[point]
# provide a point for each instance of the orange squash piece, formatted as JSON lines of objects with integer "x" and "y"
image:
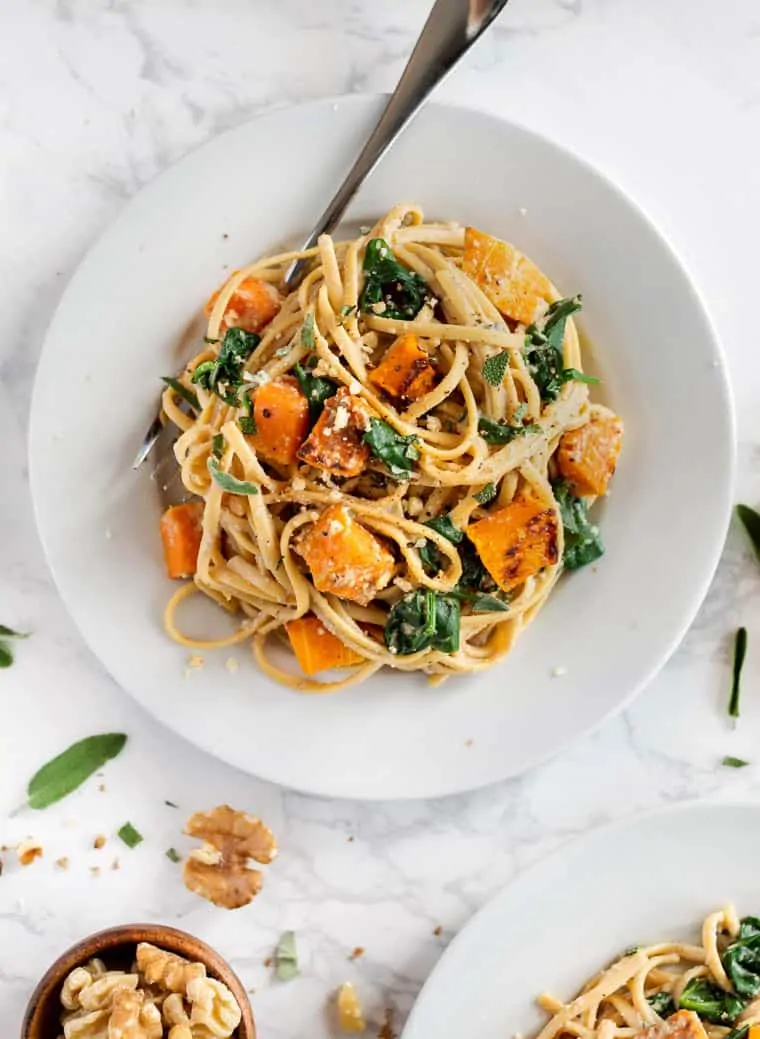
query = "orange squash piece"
{"x": 181, "y": 532}
{"x": 251, "y": 306}
{"x": 517, "y": 541}
{"x": 316, "y": 648}
{"x": 511, "y": 281}
{"x": 405, "y": 370}
{"x": 345, "y": 558}
{"x": 335, "y": 444}
{"x": 281, "y": 414}
{"x": 587, "y": 456}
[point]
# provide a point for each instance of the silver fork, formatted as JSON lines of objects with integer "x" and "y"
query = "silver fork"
{"x": 450, "y": 30}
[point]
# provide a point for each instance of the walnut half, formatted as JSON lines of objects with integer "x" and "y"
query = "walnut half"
{"x": 166, "y": 970}
{"x": 221, "y": 869}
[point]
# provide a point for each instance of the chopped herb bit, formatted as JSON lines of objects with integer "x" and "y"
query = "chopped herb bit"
{"x": 397, "y": 452}
{"x": 224, "y": 375}
{"x": 750, "y": 520}
{"x": 217, "y": 445}
{"x": 574, "y": 375}
{"x": 423, "y": 619}
{"x": 230, "y": 483}
{"x": 390, "y": 289}
{"x": 6, "y": 657}
{"x": 480, "y": 603}
{"x": 316, "y": 390}
{"x": 173, "y": 855}
{"x": 347, "y": 311}
{"x": 731, "y": 762}
{"x": 583, "y": 543}
{"x": 247, "y": 425}
{"x": 502, "y": 432}
{"x": 740, "y": 651}
{"x": 495, "y": 367}
{"x": 69, "y": 769}
{"x": 543, "y": 349}
{"x": 662, "y": 1004}
{"x": 130, "y": 835}
{"x": 307, "y": 332}
{"x": 486, "y": 494}
{"x": 631, "y": 950}
{"x": 171, "y": 804}
{"x": 182, "y": 391}
{"x": 286, "y": 957}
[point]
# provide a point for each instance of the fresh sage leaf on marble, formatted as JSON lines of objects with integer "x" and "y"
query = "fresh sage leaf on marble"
{"x": 740, "y": 652}
{"x": 68, "y": 770}
{"x": 9, "y": 633}
{"x": 286, "y": 957}
{"x": 731, "y": 762}
{"x": 6, "y": 657}
{"x": 750, "y": 520}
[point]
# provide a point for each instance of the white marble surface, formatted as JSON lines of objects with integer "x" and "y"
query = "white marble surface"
{"x": 95, "y": 99}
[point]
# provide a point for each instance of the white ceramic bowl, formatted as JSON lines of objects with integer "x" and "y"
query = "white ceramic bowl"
{"x": 611, "y": 626}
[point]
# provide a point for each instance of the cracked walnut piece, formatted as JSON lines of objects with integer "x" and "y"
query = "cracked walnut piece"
{"x": 164, "y": 969}
{"x": 221, "y": 869}
{"x": 133, "y": 1018}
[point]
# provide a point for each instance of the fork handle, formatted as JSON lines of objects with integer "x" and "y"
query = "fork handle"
{"x": 450, "y": 30}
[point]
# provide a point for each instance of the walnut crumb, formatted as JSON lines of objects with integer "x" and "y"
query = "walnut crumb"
{"x": 438, "y": 931}
{"x": 28, "y": 850}
{"x": 232, "y": 665}
{"x": 116, "y": 864}
{"x": 99, "y": 841}
{"x": 195, "y": 661}
{"x": 95, "y": 871}
{"x": 62, "y": 863}
{"x": 268, "y": 961}
{"x": 101, "y": 788}
{"x": 356, "y": 953}
{"x": 468, "y": 743}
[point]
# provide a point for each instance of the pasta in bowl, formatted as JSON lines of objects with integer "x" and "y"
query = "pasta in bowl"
{"x": 391, "y": 465}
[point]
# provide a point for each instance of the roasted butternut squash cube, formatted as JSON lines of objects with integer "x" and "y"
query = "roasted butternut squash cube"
{"x": 181, "y": 532}
{"x": 316, "y": 648}
{"x": 336, "y": 443}
{"x": 587, "y": 456}
{"x": 405, "y": 370}
{"x": 251, "y": 306}
{"x": 281, "y": 414}
{"x": 517, "y": 541}
{"x": 683, "y": 1025}
{"x": 511, "y": 281}
{"x": 344, "y": 557}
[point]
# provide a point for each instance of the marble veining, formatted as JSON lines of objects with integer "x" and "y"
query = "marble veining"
{"x": 96, "y": 99}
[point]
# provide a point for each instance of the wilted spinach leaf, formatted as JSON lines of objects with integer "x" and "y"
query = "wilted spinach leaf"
{"x": 386, "y": 281}
{"x": 398, "y": 452}
{"x": 223, "y": 374}
{"x": 502, "y": 432}
{"x": 711, "y": 1002}
{"x": 583, "y": 542}
{"x": 316, "y": 390}
{"x": 742, "y": 958}
{"x": 423, "y": 619}
{"x": 543, "y": 350}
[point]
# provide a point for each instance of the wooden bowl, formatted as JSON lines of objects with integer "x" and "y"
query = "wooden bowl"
{"x": 116, "y": 947}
